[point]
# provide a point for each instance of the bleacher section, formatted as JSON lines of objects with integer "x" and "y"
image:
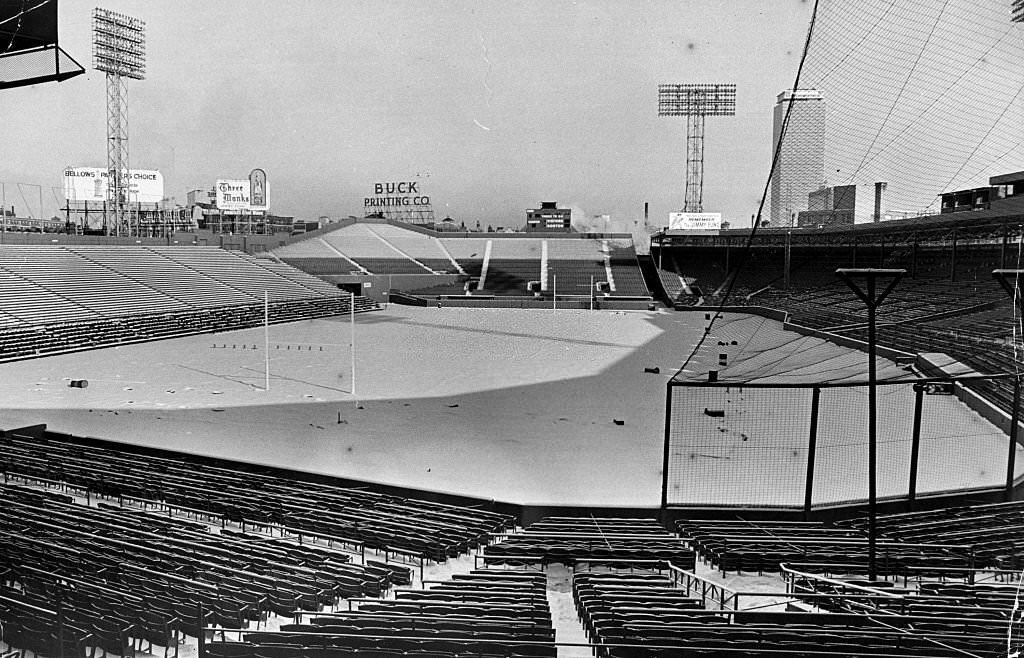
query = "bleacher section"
{"x": 512, "y": 265}
{"x": 424, "y": 249}
{"x": 503, "y": 265}
{"x": 57, "y": 298}
{"x": 372, "y": 252}
{"x": 626, "y": 277}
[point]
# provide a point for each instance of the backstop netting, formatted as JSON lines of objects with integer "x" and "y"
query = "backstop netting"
{"x": 922, "y": 95}
{"x": 807, "y": 445}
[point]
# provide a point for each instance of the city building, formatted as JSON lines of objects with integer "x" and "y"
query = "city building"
{"x": 844, "y": 205}
{"x": 549, "y": 217}
{"x": 999, "y": 188}
{"x": 801, "y": 165}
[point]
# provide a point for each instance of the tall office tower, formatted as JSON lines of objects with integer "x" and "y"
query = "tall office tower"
{"x": 801, "y": 165}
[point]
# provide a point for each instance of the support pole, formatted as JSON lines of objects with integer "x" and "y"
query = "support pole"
{"x": 1012, "y": 289}
{"x": 266, "y": 339}
{"x": 952, "y": 259}
{"x": 789, "y": 237}
{"x": 667, "y": 447}
{"x": 352, "y": 348}
{"x": 1014, "y": 422}
{"x": 593, "y": 293}
{"x": 915, "y": 445}
{"x": 913, "y": 260}
{"x": 1002, "y": 248}
{"x": 812, "y": 444}
{"x": 554, "y": 292}
{"x": 872, "y": 299}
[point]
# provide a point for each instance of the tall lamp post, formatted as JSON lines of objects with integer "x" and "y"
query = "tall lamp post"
{"x": 871, "y": 297}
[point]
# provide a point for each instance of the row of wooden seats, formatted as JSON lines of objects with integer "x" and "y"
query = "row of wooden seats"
{"x": 432, "y": 530}
{"x": 743, "y": 546}
{"x": 486, "y": 613}
{"x": 646, "y": 614}
{"x": 593, "y": 541}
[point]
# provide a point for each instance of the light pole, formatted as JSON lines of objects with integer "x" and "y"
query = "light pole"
{"x": 873, "y": 299}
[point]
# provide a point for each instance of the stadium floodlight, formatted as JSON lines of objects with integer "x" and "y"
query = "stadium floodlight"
{"x": 1017, "y": 11}
{"x": 695, "y": 102}
{"x": 872, "y": 298}
{"x": 119, "y": 50}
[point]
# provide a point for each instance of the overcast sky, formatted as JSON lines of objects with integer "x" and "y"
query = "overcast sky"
{"x": 493, "y": 106}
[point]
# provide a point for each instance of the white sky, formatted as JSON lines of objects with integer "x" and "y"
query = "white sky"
{"x": 493, "y": 106}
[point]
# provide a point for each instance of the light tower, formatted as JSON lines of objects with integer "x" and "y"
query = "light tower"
{"x": 695, "y": 102}
{"x": 119, "y": 50}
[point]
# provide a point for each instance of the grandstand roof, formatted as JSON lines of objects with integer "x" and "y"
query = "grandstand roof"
{"x": 1004, "y": 212}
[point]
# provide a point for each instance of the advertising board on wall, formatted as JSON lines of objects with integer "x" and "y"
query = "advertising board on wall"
{"x": 91, "y": 184}
{"x": 695, "y": 221}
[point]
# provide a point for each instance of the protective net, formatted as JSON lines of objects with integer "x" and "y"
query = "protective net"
{"x": 750, "y": 445}
{"x": 29, "y": 51}
{"x": 738, "y": 446}
{"x": 924, "y": 96}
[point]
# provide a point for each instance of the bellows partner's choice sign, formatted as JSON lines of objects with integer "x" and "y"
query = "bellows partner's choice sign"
{"x": 92, "y": 183}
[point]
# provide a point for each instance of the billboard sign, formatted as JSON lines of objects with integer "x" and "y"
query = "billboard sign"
{"x": 695, "y": 221}
{"x": 92, "y": 183}
{"x": 258, "y": 192}
{"x": 390, "y": 195}
{"x": 233, "y": 194}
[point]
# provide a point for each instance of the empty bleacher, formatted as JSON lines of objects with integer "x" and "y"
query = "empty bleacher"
{"x": 504, "y": 265}
{"x": 512, "y": 265}
{"x": 59, "y": 298}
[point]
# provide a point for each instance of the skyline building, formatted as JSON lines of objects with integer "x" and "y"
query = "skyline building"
{"x": 801, "y": 164}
